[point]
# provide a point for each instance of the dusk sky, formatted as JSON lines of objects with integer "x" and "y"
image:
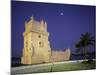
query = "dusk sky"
{"x": 65, "y": 22}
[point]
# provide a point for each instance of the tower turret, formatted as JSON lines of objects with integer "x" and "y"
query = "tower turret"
{"x": 36, "y": 43}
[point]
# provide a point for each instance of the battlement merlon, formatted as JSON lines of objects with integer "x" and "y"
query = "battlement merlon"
{"x": 43, "y": 33}
{"x": 32, "y": 24}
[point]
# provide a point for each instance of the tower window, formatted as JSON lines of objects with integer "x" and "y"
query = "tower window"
{"x": 39, "y": 36}
{"x": 40, "y": 44}
{"x": 32, "y": 50}
{"x": 26, "y": 44}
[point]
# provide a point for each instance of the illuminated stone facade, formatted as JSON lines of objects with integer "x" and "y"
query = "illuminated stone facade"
{"x": 36, "y": 44}
{"x": 59, "y": 55}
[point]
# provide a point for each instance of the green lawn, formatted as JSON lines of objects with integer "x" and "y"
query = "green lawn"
{"x": 73, "y": 66}
{"x": 57, "y": 68}
{"x": 69, "y": 67}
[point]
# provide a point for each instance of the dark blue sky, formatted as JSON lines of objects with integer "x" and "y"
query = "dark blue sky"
{"x": 65, "y": 30}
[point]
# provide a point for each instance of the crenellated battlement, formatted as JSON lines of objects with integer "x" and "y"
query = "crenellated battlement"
{"x": 32, "y": 24}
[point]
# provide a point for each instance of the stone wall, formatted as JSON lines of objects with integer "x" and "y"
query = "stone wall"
{"x": 60, "y": 55}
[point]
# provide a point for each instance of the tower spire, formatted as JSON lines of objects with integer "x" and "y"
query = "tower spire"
{"x": 45, "y": 24}
{"x": 32, "y": 18}
{"x": 42, "y": 22}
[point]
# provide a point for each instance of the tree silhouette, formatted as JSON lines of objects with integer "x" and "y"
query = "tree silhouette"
{"x": 85, "y": 41}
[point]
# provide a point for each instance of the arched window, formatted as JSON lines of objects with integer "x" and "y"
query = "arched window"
{"x": 40, "y": 44}
{"x": 26, "y": 44}
{"x": 32, "y": 49}
{"x": 39, "y": 36}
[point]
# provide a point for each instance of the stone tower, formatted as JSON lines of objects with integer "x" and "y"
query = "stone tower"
{"x": 36, "y": 44}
